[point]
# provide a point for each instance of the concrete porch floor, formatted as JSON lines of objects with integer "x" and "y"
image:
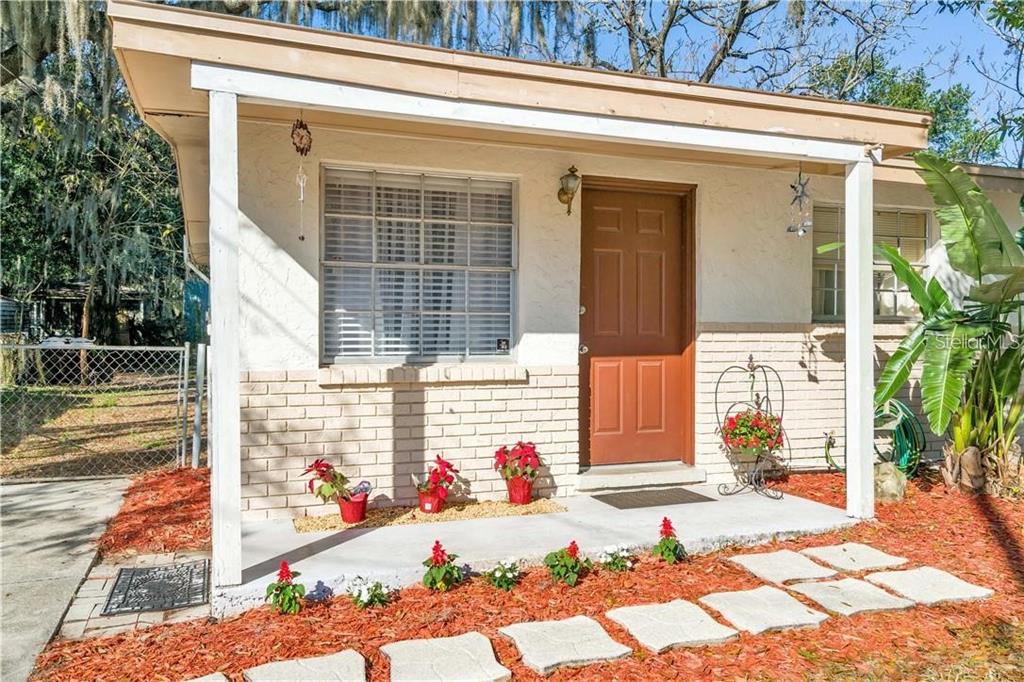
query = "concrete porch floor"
{"x": 394, "y": 554}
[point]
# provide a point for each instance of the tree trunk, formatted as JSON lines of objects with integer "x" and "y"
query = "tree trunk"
{"x": 83, "y": 357}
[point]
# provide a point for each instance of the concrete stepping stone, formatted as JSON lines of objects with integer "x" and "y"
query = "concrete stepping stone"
{"x": 212, "y": 677}
{"x": 782, "y": 566}
{"x": 927, "y": 585}
{"x": 344, "y": 666}
{"x": 465, "y": 658}
{"x": 677, "y": 623}
{"x": 853, "y": 556}
{"x": 577, "y": 641}
{"x": 763, "y": 609}
{"x": 849, "y": 596}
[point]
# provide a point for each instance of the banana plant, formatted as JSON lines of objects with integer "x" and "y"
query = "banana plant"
{"x": 970, "y": 352}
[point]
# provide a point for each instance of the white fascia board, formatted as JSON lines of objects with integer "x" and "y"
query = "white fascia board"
{"x": 279, "y": 89}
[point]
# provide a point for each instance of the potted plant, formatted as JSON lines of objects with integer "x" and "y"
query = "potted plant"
{"x": 330, "y": 484}
{"x": 433, "y": 490}
{"x": 752, "y": 432}
{"x": 518, "y": 466}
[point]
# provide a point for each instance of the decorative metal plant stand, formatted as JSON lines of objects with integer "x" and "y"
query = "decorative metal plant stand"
{"x": 757, "y": 476}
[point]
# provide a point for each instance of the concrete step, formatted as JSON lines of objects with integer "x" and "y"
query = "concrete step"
{"x": 646, "y": 475}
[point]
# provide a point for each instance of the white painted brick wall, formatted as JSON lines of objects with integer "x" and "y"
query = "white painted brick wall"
{"x": 810, "y": 361}
{"x": 385, "y": 432}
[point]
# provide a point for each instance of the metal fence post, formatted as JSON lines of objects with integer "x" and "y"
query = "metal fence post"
{"x": 197, "y": 423}
{"x": 186, "y": 363}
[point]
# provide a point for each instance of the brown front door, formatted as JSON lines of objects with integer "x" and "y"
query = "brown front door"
{"x": 636, "y": 325}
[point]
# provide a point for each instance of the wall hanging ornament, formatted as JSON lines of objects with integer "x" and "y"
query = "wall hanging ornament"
{"x": 302, "y": 140}
{"x": 800, "y": 206}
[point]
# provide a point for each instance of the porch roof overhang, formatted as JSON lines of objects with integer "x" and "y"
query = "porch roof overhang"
{"x": 171, "y": 57}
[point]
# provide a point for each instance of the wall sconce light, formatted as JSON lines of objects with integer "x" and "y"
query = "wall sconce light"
{"x": 568, "y": 186}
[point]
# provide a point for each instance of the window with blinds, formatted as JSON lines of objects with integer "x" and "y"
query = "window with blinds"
{"x": 416, "y": 266}
{"x": 907, "y": 231}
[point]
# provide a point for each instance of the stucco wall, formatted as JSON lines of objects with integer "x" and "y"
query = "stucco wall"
{"x": 753, "y": 295}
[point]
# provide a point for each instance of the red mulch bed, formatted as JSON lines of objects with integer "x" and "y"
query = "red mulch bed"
{"x": 978, "y": 539}
{"x": 163, "y": 511}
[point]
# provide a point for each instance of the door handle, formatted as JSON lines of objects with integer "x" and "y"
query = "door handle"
{"x": 583, "y": 349}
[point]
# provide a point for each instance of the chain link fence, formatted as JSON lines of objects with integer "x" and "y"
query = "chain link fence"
{"x": 78, "y": 412}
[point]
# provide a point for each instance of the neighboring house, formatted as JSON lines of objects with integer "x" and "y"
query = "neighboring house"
{"x": 432, "y": 295}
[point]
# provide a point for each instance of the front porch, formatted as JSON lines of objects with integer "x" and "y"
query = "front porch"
{"x": 394, "y": 554}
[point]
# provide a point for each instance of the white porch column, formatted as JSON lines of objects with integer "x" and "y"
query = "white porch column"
{"x": 860, "y": 453}
{"x": 226, "y": 483}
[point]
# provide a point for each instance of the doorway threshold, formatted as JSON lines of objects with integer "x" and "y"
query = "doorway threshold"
{"x": 638, "y": 476}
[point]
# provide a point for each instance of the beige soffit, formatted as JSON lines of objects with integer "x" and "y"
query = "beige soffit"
{"x": 156, "y": 44}
{"x": 989, "y": 178}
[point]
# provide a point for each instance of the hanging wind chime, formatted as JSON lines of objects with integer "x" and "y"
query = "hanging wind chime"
{"x": 302, "y": 140}
{"x": 800, "y": 206}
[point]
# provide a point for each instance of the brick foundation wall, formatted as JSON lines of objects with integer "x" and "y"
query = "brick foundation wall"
{"x": 810, "y": 360}
{"x": 384, "y": 432}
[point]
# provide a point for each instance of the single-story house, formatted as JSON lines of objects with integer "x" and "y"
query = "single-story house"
{"x": 414, "y": 285}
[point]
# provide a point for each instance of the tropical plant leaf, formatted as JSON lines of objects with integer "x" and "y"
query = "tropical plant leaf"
{"x": 897, "y": 368}
{"x": 906, "y": 273}
{"x": 1008, "y": 370}
{"x": 976, "y": 237}
{"x": 1000, "y": 290}
{"x": 947, "y": 358}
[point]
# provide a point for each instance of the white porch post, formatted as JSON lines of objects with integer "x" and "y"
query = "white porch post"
{"x": 226, "y": 483}
{"x": 860, "y": 488}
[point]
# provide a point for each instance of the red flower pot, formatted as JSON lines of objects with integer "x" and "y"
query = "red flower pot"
{"x": 430, "y": 503}
{"x": 520, "y": 490}
{"x": 353, "y": 510}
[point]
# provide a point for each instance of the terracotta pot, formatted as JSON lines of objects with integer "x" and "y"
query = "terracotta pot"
{"x": 353, "y": 510}
{"x": 430, "y": 503}
{"x": 520, "y": 490}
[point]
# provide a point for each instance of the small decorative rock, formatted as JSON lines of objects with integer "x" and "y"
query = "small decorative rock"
{"x": 853, "y": 556}
{"x": 465, "y": 658}
{"x": 576, "y": 641}
{"x": 890, "y": 482}
{"x": 762, "y": 609}
{"x": 677, "y": 623}
{"x": 927, "y": 585}
{"x": 782, "y": 566}
{"x": 344, "y": 666}
{"x": 849, "y": 596}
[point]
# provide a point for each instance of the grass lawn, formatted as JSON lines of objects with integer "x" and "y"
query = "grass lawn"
{"x": 980, "y": 540}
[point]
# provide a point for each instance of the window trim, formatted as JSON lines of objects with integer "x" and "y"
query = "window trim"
{"x": 327, "y": 361}
{"x": 929, "y": 241}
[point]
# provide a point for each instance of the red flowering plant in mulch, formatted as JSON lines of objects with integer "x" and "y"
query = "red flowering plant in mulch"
{"x": 519, "y": 461}
{"x": 439, "y": 480}
{"x": 566, "y": 566}
{"x": 752, "y": 432}
{"x": 442, "y": 573}
{"x": 669, "y": 549}
{"x": 284, "y": 594}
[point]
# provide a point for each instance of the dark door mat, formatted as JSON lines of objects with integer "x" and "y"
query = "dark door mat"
{"x": 159, "y": 588}
{"x": 638, "y": 499}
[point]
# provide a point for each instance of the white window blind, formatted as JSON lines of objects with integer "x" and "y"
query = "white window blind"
{"x": 907, "y": 231}
{"x": 417, "y": 266}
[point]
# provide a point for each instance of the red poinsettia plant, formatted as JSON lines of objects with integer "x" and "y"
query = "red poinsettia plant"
{"x": 327, "y": 483}
{"x": 519, "y": 461}
{"x": 752, "y": 431}
{"x": 439, "y": 480}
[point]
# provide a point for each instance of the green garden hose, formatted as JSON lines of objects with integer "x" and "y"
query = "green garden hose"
{"x": 908, "y": 440}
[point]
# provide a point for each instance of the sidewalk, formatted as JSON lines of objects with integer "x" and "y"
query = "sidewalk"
{"x": 48, "y": 542}
{"x": 394, "y": 554}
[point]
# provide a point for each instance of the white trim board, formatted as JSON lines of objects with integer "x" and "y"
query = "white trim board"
{"x": 279, "y": 89}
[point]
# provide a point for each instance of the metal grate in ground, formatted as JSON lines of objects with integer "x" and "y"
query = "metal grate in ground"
{"x": 159, "y": 588}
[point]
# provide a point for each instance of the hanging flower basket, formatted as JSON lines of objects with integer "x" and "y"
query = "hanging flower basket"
{"x": 520, "y": 490}
{"x": 353, "y": 510}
